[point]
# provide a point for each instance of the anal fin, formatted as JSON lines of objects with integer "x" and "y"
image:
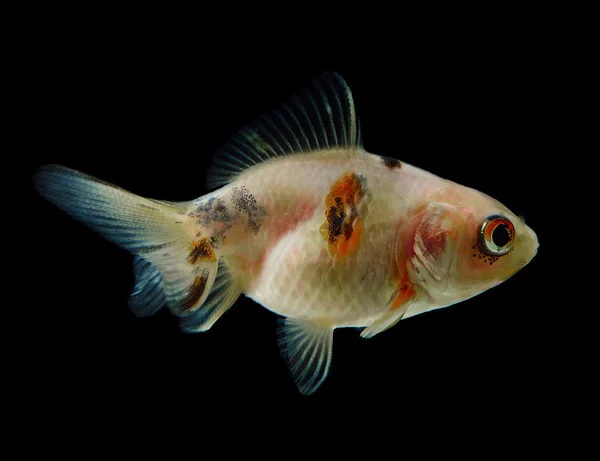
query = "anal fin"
{"x": 306, "y": 346}
{"x": 225, "y": 291}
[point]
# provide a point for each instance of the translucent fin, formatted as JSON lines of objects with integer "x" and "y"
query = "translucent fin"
{"x": 224, "y": 293}
{"x": 387, "y": 320}
{"x": 135, "y": 223}
{"x": 148, "y": 295}
{"x": 160, "y": 232}
{"x": 306, "y": 346}
{"x": 320, "y": 117}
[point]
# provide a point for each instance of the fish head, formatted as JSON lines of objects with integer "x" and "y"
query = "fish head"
{"x": 466, "y": 242}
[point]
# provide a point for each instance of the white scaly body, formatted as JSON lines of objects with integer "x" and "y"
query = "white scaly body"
{"x": 286, "y": 265}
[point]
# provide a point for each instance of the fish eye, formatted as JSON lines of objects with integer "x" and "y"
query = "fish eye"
{"x": 497, "y": 235}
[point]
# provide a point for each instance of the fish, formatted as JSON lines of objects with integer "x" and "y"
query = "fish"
{"x": 307, "y": 223}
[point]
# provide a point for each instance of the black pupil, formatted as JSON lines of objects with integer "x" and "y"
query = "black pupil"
{"x": 501, "y": 236}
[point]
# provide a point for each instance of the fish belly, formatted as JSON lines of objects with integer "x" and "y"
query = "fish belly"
{"x": 300, "y": 279}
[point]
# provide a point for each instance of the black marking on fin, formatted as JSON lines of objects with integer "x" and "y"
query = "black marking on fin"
{"x": 152, "y": 248}
{"x": 202, "y": 251}
{"x": 196, "y": 291}
{"x": 213, "y": 214}
{"x": 149, "y": 207}
{"x": 223, "y": 294}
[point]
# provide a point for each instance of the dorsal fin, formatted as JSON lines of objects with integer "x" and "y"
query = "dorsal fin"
{"x": 320, "y": 117}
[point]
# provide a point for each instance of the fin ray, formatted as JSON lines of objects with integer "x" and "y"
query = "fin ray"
{"x": 148, "y": 295}
{"x": 320, "y": 117}
{"x": 307, "y": 94}
{"x": 306, "y": 347}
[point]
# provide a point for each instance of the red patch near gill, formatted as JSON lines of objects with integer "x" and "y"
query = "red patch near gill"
{"x": 403, "y": 253}
{"x": 433, "y": 237}
{"x": 407, "y": 229}
{"x": 425, "y": 230}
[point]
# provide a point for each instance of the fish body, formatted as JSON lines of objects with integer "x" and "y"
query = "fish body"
{"x": 311, "y": 226}
{"x": 301, "y": 264}
{"x": 308, "y": 261}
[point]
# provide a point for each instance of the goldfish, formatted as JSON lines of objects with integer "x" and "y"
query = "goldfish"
{"x": 307, "y": 223}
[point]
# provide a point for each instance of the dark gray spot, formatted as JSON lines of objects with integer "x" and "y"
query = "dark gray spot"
{"x": 152, "y": 248}
{"x": 391, "y": 163}
{"x": 244, "y": 202}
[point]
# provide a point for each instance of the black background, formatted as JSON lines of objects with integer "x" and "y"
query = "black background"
{"x": 144, "y": 105}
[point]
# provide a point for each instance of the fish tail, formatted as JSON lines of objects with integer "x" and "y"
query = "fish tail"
{"x": 174, "y": 263}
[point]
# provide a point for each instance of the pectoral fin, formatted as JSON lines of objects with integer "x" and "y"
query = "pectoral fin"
{"x": 387, "y": 320}
{"x": 306, "y": 347}
{"x": 400, "y": 301}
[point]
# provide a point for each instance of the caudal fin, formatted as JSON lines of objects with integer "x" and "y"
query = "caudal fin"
{"x": 172, "y": 266}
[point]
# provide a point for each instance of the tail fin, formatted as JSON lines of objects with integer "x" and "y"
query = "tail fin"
{"x": 172, "y": 265}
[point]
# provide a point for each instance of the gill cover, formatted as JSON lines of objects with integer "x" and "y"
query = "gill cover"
{"x": 435, "y": 244}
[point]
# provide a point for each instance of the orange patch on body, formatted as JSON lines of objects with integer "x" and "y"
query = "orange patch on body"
{"x": 404, "y": 288}
{"x": 343, "y": 227}
{"x": 403, "y": 294}
{"x": 345, "y": 245}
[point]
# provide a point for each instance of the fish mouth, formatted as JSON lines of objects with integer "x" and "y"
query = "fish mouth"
{"x": 534, "y": 242}
{"x": 524, "y": 261}
{"x": 537, "y": 246}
